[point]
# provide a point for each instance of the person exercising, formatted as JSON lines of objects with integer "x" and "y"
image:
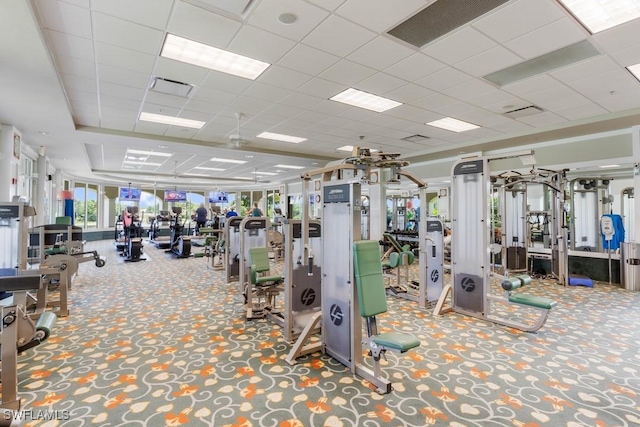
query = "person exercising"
{"x": 201, "y": 217}
{"x": 256, "y": 210}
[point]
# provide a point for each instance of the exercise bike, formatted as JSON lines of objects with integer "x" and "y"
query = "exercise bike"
{"x": 180, "y": 245}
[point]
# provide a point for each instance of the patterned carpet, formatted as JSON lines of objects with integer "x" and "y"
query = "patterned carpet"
{"x": 164, "y": 342}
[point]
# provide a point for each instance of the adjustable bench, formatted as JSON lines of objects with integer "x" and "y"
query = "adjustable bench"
{"x": 372, "y": 300}
{"x": 262, "y": 286}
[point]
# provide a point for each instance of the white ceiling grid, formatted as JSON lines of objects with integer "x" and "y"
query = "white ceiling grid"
{"x": 106, "y": 52}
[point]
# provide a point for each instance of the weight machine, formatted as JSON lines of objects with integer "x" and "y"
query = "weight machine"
{"x": 233, "y": 239}
{"x": 590, "y": 199}
{"x": 345, "y": 283}
{"x": 470, "y": 267}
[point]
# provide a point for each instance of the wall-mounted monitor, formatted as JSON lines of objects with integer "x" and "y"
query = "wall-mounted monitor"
{"x": 175, "y": 196}
{"x": 127, "y": 194}
{"x": 218, "y": 197}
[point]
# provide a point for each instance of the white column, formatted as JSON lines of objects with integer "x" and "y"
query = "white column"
{"x": 635, "y": 139}
{"x": 10, "y": 140}
{"x": 39, "y": 193}
{"x": 378, "y": 206}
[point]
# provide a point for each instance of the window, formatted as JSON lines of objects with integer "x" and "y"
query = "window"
{"x": 85, "y": 205}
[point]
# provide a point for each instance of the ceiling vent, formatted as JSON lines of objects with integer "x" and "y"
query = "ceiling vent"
{"x": 523, "y": 112}
{"x": 415, "y": 138}
{"x": 441, "y": 18}
{"x": 235, "y": 9}
{"x": 170, "y": 87}
{"x": 544, "y": 63}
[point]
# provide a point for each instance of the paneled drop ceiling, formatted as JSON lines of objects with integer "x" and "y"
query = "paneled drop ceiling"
{"x": 81, "y": 72}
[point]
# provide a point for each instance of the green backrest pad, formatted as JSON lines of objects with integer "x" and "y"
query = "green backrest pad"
{"x": 392, "y": 240}
{"x": 259, "y": 259}
{"x": 369, "y": 280}
{"x": 63, "y": 220}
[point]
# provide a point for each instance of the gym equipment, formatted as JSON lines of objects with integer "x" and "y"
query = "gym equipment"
{"x": 19, "y": 333}
{"x": 179, "y": 245}
{"x": 432, "y": 261}
{"x": 590, "y": 199}
{"x": 163, "y": 219}
{"x": 233, "y": 240}
{"x": 302, "y": 283}
{"x": 253, "y": 234}
{"x": 340, "y": 315}
{"x": 263, "y": 287}
{"x": 398, "y": 258}
{"x": 627, "y": 209}
{"x": 372, "y": 301}
{"x": 631, "y": 266}
{"x": 129, "y": 239}
{"x": 470, "y": 270}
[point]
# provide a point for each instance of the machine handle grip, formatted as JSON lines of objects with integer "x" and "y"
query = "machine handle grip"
{"x": 310, "y": 266}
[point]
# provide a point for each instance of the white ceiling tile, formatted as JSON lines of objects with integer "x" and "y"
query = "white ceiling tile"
{"x": 610, "y": 89}
{"x": 357, "y": 114}
{"x": 579, "y": 112}
{"x": 497, "y": 100}
{"x": 123, "y": 104}
{"x": 489, "y": 61}
{"x": 64, "y": 17}
{"x": 226, "y": 82}
{"x": 321, "y": 88}
{"x": 347, "y": 73}
{"x": 201, "y": 25}
{"x": 424, "y": 116}
{"x": 381, "y": 53}
{"x": 415, "y": 67}
{"x": 259, "y": 44}
{"x": 149, "y": 107}
{"x": 151, "y": 13}
{"x": 76, "y": 67}
{"x": 266, "y": 92}
{"x": 558, "y": 34}
{"x": 519, "y": 18}
{"x": 380, "y": 83}
{"x": 266, "y": 17}
{"x": 444, "y": 79}
{"x": 116, "y": 56}
{"x": 434, "y": 101}
{"x": 469, "y": 89}
{"x": 151, "y": 128}
{"x": 70, "y": 46}
{"x": 180, "y": 71}
{"x": 86, "y": 119}
{"x": 117, "y": 123}
{"x": 627, "y": 57}
{"x": 459, "y": 45}
{"x": 531, "y": 85}
{"x": 311, "y": 116}
{"x": 380, "y": 15}
{"x": 283, "y": 77}
{"x": 590, "y": 67}
{"x": 328, "y": 4}
{"x": 308, "y": 60}
{"x": 249, "y": 106}
{"x": 330, "y": 107}
{"x": 408, "y": 93}
{"x": 283, "y": 111}
{"x": 79, "y": 83}
{"x": 166, "y": 100}
{"x": 178, "y": 132}
{"x": 126, "y": 34}
{"x": 215, "y": 96}
{"x": 618, "y": 38}
{"x": 455, "y": 109}
{"x": 338, "y": 36}
{"x": 301, "y": 100}
{"x": 82, "y": 97}
{"x": 112, "y": 89}
{"x": 543, "y": 119}
{"x": 204, "y": 107}
{"x": 121, "y": 76}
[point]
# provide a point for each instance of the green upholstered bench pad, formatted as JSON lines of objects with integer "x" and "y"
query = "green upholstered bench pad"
{"x": 267, "y": 279}
{"x": 369, "y": 280}
{"x": 532, "y": 300}
{"x": 396, "y": 341}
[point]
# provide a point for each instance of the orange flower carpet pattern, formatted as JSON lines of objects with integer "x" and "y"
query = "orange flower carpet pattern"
{"x": 165, "y": 342}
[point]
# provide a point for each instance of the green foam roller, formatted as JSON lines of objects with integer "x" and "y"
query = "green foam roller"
{"x": 394, "y": 259}
{"x": 525, "y": 279}
{"x": 410, "y": 257}
{"x": 45, "y": 323}
{"x": 511, "y": 283}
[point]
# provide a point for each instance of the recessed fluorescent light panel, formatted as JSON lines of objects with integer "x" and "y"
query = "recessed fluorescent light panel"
{"x": 454, "y": 125}
{"x": 265, "y": 173}
{"x": 365, "y": 100}
{"x": 206, "y": 56}
{"x": 132, "y": 162}
{"x": 635, "y": 70}
{"x": 170, "y": 120}
{"x": 202, "y": 168}
{"x": 288, "y": 167}
{"x": 148, "y": 153}
{"x": 609, "y": 166}
{"x": 219, "y": 160}
{"x": 599, "y": 15}
{"x": 280, "y": 137}
{"x": 350, "y": 148}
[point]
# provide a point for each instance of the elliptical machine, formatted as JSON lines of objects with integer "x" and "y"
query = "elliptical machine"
{"x": 180, "y": 245}
{"x": 133, "y": 235}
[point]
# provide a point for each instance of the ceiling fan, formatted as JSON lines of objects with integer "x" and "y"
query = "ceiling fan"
{"x": 256, "y": 179}
{"x": 236, "y": 140}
